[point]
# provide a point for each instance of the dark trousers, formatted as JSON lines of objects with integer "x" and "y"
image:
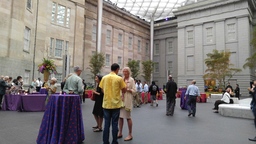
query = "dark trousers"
{"x": 1, "y": 99}
{"x": 191, "y": 105}
{"x": 217, "y": 103}
{"x": 170, "y": 105}
{"x": 254, "y": 113}
{"x": 110, "y": 115}
{"x": 38, "y": 89}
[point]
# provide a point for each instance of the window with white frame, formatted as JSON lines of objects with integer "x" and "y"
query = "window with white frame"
{"x": 51, "y": 47}
{"x": 120, "y": 40}
{"x": 209, "y": 35}
{"x": 58, "y": 76}
{"x": 169, "y": 47}
{"x": 107, "y": 63}
{"x": 231, "y": 32}
{"x": 156, "y": 66}
{"x": 26, "y": 77}
{"x": 119, "y": 60}
{"x": 108, "y": 37}
{"x": 26, "y": 39}
{"x": 66, "y": 48}
{"x": 156, "y": 49}
{"x": 139, "y": 46}
{"x": 61, "y": 14}
{"x": 29, "y": 4}
{"x": 59, "y": 48}
{"x": 170, "y": 67}
{"x": 147, "y": 49}
{"x": 190, "y": 63}
{"x": 190, "y": 37}
{"x": 130, "y": 43}
{"x": 94, "y": 32}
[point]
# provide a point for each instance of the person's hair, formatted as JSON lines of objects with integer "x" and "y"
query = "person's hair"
{"x": 99, "y": 77}
{"x": 139, "y": 81}
{"x": 128, "y": 69}
{"x": 15, "y": 81}
{"x": 193, "y": 81}
{"x": 114, "y": 67}
{"x": 10, "y": 78}
{"x": 153, "y": 82}
{"x": 237, "y": 84}
{"x": 19, "y": 77}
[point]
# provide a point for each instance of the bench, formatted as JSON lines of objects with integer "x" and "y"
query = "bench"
{"x": 214, "y": 97}
{"x": 239, "y": 110}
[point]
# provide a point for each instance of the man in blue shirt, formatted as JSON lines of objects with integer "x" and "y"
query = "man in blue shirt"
{"x": 191, "y": 95}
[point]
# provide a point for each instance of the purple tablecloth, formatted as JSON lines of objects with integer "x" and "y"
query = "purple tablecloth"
{"x": 62, "y": 121}
{"x": 43, "y": 91}
{"x": 30, "y": 102}
{"x": 183, "y": 102}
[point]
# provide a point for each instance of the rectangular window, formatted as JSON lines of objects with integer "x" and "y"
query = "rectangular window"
{"x": 26, "y": 77}
{"x": 51, "y": 47}
{"x": 120, "y": 40}
{"x": 231, "y": 30}
{"x": 233, "y": 58}
{"x": 58, "y": 48}
{"x": 66, "y": 48}
{"x": 157, "y": 49}
{"x": 190, "y": 36}
{"x": 129, "y": 59}
{"x": 147, "y": 49}
{"x": 94, "y": 32}
{"x": 54, "y": 7}
{"x": 190, "y": 63}
{"x": 29, "y": 4}
{"x": 61, "y": 15}
{"x": 130, "y": 43}
{"x": 169, "y": 47}
{"x": 108, "y": 37}
{"x": 58, "y": 76}
{"x": 169, "y": 67}
{"x": 209, "y": 35}
{"x": 119, "y": 60}
{"x": 68, "y": 17}
{"x": 156, "y": 66}
{"x": 107, "y": 60}
{"x": 26, "y": 39}
{"x": 93, "y": 52}
{"x": 139, "y": 47}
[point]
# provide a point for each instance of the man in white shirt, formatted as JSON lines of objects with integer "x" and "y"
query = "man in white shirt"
{"x": 225, "y": 100}
{"x": 137, "y": 98}
{"x": 145, "y": 89}
{"x": 39, "y": 84}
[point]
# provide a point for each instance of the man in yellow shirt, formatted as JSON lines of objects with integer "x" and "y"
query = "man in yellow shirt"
{"x": 111, "y": 86}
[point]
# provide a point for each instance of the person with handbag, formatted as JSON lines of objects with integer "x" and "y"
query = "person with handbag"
{"x": 97, "y": 109}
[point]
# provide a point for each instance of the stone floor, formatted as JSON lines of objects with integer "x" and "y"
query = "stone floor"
{"x": 151, "y": 126}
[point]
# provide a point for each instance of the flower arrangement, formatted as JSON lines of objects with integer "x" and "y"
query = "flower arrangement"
{"x": 47, "y": 65}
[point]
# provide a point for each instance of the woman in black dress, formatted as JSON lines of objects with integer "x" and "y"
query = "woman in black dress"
{"x": 97, "y": 109}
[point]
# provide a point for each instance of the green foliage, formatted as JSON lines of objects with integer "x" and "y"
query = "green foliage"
{"x": 219, "y": 67}
{"x": 96, "y": 63}
{"x": 250, "y": 61}
{"x": 134, "y": 66}
{"x": 148, "y": 67}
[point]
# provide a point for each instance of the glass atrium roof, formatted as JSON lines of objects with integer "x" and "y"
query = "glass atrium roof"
{"x": 145, "y": 9}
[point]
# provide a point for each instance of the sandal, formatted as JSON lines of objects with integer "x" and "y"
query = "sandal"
{"x": 128, "y": 139}
{"x": 95, "y": 127}
{"x": 98, "y": 130}
{"x": 119, "y": 136}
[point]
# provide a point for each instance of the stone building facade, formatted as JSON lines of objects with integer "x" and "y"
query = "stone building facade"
{"x": 208, "y": 25}
{"x": 33, "y": 29}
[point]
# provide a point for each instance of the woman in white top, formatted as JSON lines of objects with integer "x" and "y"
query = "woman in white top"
{"x": 225, "y": 100}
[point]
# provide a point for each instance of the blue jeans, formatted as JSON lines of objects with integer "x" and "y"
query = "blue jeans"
{"x": 191, "y": 104}
{"x": 110, "y": 115}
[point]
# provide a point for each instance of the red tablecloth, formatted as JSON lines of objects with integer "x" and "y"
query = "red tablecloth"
{"x": 159, "y": 97}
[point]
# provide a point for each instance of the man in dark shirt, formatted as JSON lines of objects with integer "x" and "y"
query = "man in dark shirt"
{"x": 229, "y": 86}
{"x": 3, "y": 86}
{"x": 237, "y": 91}
{"x": 153, "y": 89}
{"x": 171, "y": 90}
{"x": 253, "y": 105}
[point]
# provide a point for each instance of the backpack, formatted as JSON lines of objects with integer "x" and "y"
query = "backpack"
{"x": 154, "y": 88}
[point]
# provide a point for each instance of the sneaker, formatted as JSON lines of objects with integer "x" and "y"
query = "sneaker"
{"x": 156, "y": 105}
{"x": 151, "y": 104}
